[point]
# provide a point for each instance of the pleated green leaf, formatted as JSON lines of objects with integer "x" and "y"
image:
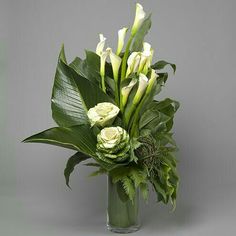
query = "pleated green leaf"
{"x": 78, "y": 137}
{"x": 72, "y": 162}
{"x": 73, "y": 95}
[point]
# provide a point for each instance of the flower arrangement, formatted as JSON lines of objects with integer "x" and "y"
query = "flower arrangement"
{"x": 106, "y": 111}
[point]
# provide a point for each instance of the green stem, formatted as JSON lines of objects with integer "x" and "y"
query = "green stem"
{"x": 124, "y": 60}
{"x": 122, "y": 213}
{"x": 117, "y": 93}
{"x": 134, "y": 127}
{"x": 103, "y": 84}
{"x": 127, "y": 115}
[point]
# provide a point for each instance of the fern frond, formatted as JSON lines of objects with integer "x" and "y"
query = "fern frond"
{"x": 144, "y": 191}
{"x": 129, "y": 187}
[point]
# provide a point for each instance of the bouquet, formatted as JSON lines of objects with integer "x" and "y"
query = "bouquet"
{"x": 106, "y": 110}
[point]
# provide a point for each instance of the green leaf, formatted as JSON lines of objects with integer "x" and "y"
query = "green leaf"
{"x": 130, "y": 176}
{"x": 134, "y": 144}
{"x": 162, "y": 78}
{"x": 162, "y": 195}
{"x": 92, "y": 164}
{"x": 88, "y": 68}
{"x": 162, "y": 64}
{"x": 159, "y": 115}
{"x": 144, "y": 191}
{"x": 80, "y": 66}
{"x": 139, "y": 37}
{"x": 71, "y": 96}
{"x": 121, "y": 192}
{"x": 93, "y": 61}
{"x": 129, "y": 187}
{"x": 78, "y": 137}
{"x": 62, "y": 55}
{"x": 72, "y": 162}
{"x": 138, "y": 176}
{"x": 100, "y": 171}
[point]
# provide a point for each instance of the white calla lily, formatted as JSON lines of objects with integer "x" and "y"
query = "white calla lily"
{"x": 133, "y": 63}
{"x": 115, "y": 63}
{"x": 121, "y": 40}
{"x": 139, "y": 18}
{"x": 100, "y": 45}
{"x": 148, "y": 63}
{"x": 103, "y": 58}
{"x": 151, "y": 81}
{"x": 143, "y": 83}
{"x": 145, "y": 58}
{"x": 125, "y": 91}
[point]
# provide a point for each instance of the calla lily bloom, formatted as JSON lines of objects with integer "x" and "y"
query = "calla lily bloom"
{"x": 140, "y": 61}
{"x": 139, "y": 18}
{"x": 100, "y": 45}
{"x": 146, "y": 57}
{"x": 133, "y": 63}
{"x": 151, "y": 81}
{"x": 103, "y": 58}
{"x": 115, "y": 62}
{"x": 121, "y": 40}
{"x": 143, "y": 83}
{"x": 125, "y": 91}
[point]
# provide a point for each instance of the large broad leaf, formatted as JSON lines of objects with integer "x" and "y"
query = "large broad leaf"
{"x": 71, "y": 163}
{"x": 159, "y": 116}
{"x": 139, "y": 37}
{"x": 73, "y": 95}
{"x": 78, "y": 137}
{"x": 88, "y": 68}
{"x": 162, "y": 64}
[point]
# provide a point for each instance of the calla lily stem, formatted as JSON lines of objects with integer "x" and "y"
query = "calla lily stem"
{"x": 124, "y": 60}
{"x": 103, "y": 84}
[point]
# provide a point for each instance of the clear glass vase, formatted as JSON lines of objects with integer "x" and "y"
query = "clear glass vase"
{"x": 122, "y": 213}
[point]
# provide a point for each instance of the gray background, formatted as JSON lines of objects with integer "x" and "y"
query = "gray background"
{"x": 199, "y": 36}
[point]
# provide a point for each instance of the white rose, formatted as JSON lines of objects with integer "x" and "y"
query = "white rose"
{"x": 103, "y": 114}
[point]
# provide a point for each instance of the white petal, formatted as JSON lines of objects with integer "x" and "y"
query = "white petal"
{"x": 133, "y": 63}
{"x": 126, "y": 91}
{"x": 143, "y": 82}
{"x": 139, "y": 17}
{"x": 121, "y": 40}
{"x": 115, "y": 62}
{"x": 100, "y": 45}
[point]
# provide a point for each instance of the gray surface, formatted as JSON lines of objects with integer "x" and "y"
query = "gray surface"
{"x": 199, "y": 36}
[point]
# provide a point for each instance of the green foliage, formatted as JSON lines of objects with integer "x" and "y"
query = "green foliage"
{"x": 70, "y": 96}
{"x": 78, "y": 137}
{"x": 144, "y": 190}
{"x": 147, "y": 155}
{"x": 72, "y": 162}
{"x": 160, "y": 164}
{"x": 158, "y": 116}
{"x": 100, "y": 171}
{"x": 139, "y": 37}
{"x": 162, "y": 64}
{"x": 131, "y": 177}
